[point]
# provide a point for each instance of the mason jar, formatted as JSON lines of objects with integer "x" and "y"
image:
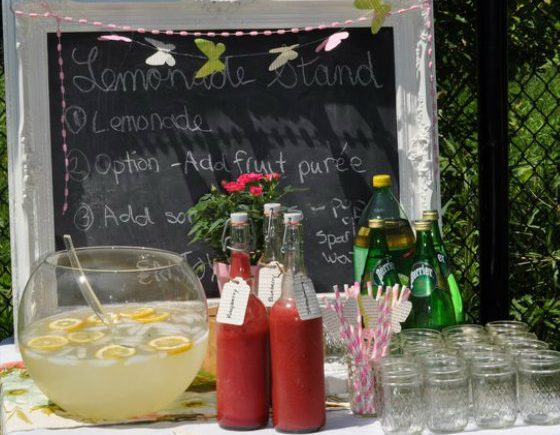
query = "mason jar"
{"x": 539, "y": 387}
{"x": 402, "y": 411}
{"x": 446, "y": 392}
{"x": 493, "y": 379}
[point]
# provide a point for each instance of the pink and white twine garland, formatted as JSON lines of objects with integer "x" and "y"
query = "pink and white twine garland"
{"x": 426, "y": 8}
{"x": 64, "y": 132}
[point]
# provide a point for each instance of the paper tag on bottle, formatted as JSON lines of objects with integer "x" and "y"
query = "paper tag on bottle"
{"x": 270, "y": 283}
{"x": 233, "y": 302}
{"x": 306, "y": 299}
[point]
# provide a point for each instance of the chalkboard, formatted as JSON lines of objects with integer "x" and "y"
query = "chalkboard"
{"x": 145, "y": 142}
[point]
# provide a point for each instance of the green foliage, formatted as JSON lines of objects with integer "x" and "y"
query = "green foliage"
{"x": 534, "y": 95}
{"x": 6, "y": 324}
{"x": 535, "y": 195}
{"x": 212, "y": 210}
{"x": 456, "y": 53}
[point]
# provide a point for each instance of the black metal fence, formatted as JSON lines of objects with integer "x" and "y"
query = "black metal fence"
{"x": 534, "y": 97}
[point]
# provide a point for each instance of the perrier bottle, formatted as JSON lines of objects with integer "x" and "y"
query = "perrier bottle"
{"x": 400, "y": 239}
{"x": 379, "y": 269}
{"x": 432, "y": 306}
{"x": 433, "y": 216}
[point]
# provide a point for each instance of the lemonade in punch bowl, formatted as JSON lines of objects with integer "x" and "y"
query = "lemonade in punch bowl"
{"x": 137, "y": 354}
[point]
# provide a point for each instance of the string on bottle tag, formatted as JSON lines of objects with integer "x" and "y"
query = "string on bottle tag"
{"x": 226, "y": 237}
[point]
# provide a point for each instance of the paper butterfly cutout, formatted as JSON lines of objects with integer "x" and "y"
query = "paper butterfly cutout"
{"x": 350, "y": 310}
{"x": 285, "y": 55}
{"x": 399, "y": 314}
{"x": 331, "y": 325}
{"x": 213, "y": 52}
{"x": 370, "y": 310}
{"x": 380, "y": 11}
{"x": 332, "y": 41}
{"x": 163, "y": 54}
{"x": 114, "y": 38}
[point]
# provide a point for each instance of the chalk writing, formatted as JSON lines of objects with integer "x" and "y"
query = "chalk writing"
{"x": 314, "y": 73}
{"x": 141, "y": 218}
{"x": 97, "y": 78}
{"x": 146, "y": 142}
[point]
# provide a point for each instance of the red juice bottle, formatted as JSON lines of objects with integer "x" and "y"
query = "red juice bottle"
{"x": 296, "y": 343}
{"x": 243, "y": 350}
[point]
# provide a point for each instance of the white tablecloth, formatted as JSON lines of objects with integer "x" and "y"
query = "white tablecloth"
{"x": 338, "y": 423}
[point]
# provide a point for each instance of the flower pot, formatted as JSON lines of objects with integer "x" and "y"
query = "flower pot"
{"x": 221, "y": 271}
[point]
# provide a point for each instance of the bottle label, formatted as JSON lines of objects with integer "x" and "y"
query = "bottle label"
{"x": 270, "y": 283}
{"x": 233, "y": 302}
{"x": 382, "y": 269}
{"x": 423, "y": 279}
{"x": 307, "y": 303}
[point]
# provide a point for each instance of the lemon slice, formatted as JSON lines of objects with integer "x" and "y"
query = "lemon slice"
{"x": 67, "y": 324}
{"x": 138, "y": 313}
{"x": 94, "y": 320}
{"x": 82, "y": 337}
{"x": 115, "y": 351}
{"x": 155, "y": 317}
{"x": 47, "y": 342}
{"x": 171, "y": 343}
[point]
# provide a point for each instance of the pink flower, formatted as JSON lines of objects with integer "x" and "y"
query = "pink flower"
{"x": 251, "y": 177}
{"x": 232, "y": 186}
{"x": 275, "y": 176}
{"x": 256, "y": 190}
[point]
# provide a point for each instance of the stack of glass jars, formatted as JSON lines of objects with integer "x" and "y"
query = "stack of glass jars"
{"x": 487, "y": 375}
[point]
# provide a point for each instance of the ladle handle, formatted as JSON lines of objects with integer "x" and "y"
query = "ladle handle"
{"x": 83, "y": 283}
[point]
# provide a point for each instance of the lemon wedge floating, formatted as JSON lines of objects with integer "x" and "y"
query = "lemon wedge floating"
{"x": 67, "y": 324}
{"x": 47, "y": 342}
{"x": 115, "y": 351}
{"x": 155, "y": 317}
{"x": 171, "y": 344}
{"x": 94, "y": 320}
{"x": 82, "y": 337}
{"x": 138, "y": 313}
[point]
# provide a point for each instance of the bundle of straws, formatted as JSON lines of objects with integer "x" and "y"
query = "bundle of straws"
{"x": 366, "y": 324}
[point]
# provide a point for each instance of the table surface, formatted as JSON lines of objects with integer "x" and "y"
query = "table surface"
{"x": 338, "y": 423}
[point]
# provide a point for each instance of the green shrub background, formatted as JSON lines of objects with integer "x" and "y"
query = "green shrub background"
{"x": 534, "y": 122}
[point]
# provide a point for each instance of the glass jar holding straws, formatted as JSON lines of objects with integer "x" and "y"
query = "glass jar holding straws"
{"x": 365, "y": 325}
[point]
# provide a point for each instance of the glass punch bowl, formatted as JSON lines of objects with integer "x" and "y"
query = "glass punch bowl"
{"x": 143, "y": 354}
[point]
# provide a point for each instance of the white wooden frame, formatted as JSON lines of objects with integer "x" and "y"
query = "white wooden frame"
{"x": 27, "y": 102}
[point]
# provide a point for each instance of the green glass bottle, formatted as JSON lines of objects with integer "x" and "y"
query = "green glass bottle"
{"x": 400, "y": 239}
{"x": 433, "y": 216}
{"x": 432, "y": 306}
{"x": 379, "y": 268}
